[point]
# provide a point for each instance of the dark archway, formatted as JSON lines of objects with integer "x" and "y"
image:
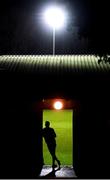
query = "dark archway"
{"x": 69, "y": 104}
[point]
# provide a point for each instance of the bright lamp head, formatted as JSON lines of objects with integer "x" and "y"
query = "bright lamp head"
{"x": 54, "y": 17}
{"x": 58, "y": 105}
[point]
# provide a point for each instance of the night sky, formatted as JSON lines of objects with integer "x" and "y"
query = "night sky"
{"x": 22, "y": 30}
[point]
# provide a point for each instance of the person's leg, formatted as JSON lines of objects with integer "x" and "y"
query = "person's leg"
{"x": 52, "y": 149}
{"x": 53, "y": 163}
{"x": 57, "y": 161}
{"x": 54, "y": 157}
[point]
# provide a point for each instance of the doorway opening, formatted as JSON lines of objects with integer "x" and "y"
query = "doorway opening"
{"x": 62, "y": 122}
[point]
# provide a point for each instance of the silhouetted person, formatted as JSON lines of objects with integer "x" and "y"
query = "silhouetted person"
{"x": 49, "y": 136}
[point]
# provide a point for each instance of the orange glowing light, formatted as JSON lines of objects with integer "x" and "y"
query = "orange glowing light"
{"x": 58, "y": 105}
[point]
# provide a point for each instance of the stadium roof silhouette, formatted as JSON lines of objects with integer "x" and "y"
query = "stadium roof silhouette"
{"x": 53, "y": 64}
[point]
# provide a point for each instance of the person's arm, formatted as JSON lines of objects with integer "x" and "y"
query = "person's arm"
{"x": 54, "y": 134}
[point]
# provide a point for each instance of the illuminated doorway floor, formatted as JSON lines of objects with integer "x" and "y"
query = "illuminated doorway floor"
{"x": 64, "y": 172}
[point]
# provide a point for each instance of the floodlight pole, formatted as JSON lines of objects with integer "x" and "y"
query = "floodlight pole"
{"x": 53, "y": 41}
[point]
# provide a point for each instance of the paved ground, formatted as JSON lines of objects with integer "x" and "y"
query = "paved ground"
{"x": 64, "y": 172}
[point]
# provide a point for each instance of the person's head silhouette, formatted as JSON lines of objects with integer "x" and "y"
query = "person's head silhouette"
{"x": 47, "y": 124}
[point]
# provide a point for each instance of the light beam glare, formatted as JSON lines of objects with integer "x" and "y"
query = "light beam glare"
{"x": 58, "y": 105}
{"x": 54, "y": 17}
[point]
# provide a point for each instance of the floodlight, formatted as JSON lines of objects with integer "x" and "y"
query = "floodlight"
{"x": 58, "y": 105}
{"x": 54, "y": 17}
